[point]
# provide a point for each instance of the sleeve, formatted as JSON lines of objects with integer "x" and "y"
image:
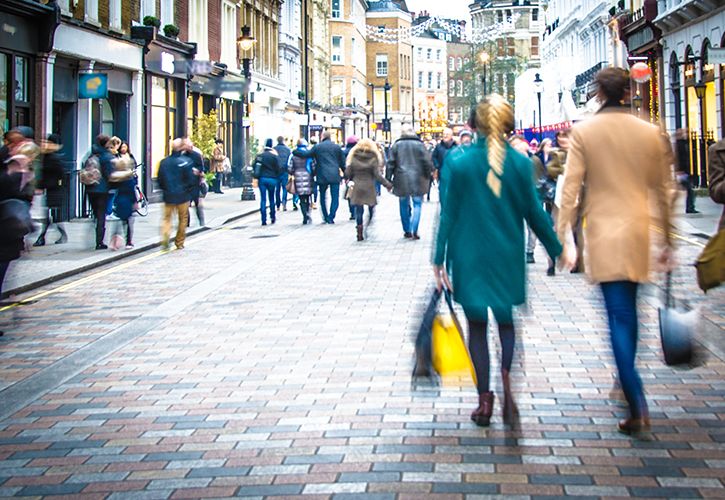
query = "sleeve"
{"x": 450, "y": 201}
{"x": 162, "y": 177}
{"x": 308, "y": 153}
{"x": 575, "y": 172}
{"x": 663, "y": 185}
{"x": 716, "y": 182}
{"x": 392, "y": 163}
{"x": 290, "y": 165}
{"x": 427, "y": 163}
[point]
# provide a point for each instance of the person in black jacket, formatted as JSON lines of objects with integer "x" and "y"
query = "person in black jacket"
{"x": 330, "y": 161}
{"x": 51, "y": 180}
{"x": 176, "y": 180}
{"x": 283, "y": 154}
{"x": 98, "y": 193}
{"x": 682, "y": 169}
{"x": 441, "y": 151}
{"x": 267, "y": 171}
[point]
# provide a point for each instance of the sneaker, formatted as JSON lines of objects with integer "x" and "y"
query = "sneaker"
{"x": 129, "y": 247}
{"x": 407, "y": 235}
{"x": 112, "y": 217}
{"x": 692, "y": 211}
{"x": 102, "y": 246}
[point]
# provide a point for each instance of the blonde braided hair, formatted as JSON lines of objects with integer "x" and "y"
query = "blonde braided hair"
{"x": 495, "y": 119}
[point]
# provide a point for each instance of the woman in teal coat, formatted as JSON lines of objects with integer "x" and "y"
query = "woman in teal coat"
{"x": 489, "y": 194}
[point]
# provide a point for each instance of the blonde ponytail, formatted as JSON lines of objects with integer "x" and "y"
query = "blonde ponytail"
{"x": 495, "y": 119}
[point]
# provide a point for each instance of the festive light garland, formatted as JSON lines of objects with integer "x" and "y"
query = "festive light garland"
{"x": 381, "y": 34}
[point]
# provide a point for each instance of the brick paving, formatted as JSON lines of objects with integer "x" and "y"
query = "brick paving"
{"x": 275, "y": 362}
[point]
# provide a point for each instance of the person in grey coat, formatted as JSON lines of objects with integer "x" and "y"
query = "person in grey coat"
{"x": 302, "y": 172}
{"x": 409, "y": 168}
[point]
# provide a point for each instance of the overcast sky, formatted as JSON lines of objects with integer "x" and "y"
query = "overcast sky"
{"x": 451, "y": 9}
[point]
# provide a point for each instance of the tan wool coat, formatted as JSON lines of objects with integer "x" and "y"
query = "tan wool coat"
{"x": 716, "y": 182}
{"x": 624, "y": 164}
{"x": 217, "y": 159}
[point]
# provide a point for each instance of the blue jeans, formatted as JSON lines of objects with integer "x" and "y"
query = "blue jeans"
{"x": 281, "y": 195}
{"x": 358, "y": 213}
{"x": 329, "y": 217}
{"x": 4, "y": 264}
{"x": 410, "y": 217}
{"x": 267, "y": 188}
{"x": 620, "y": 299}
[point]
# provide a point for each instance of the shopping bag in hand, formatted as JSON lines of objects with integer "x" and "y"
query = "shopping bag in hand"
{"x": 450, "y": 355}
{"x": 677, "y": 332}
{"x": 424, "y": 339}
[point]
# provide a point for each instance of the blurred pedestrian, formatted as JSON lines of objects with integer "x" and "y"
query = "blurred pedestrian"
{"x": 216, "y": 165}
{"x": 624, "y": 165}
{"x": 489, "y": 194}
{"x": 197, "y": 169}
{"x": 123, "y": 181}
{"x": 520, "y": 144}
{"x": 283, "y": 154}
{"x": 409, "y": 168}
{"x": 113, "y": 146}
{"x": 266, "y": 170}
{"x": 301, "y": 169}
{"x": 682, "y": 168}
{"x": 98, "y": 192}
{"x": 176, "y": 180}
{"x": 52, "y": 176}
{"x": 329, "y": 161}
{"x": 465, "y": 138}
{"x": 362, "y": 171}
{"x": 547, "y": 168}
{"x": 349, "y": 144}
{"x": 716, "y": 182}
{"x": 441, "y": 151}
{"x": 315, "y": 189}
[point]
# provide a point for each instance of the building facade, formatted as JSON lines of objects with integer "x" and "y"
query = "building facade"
{"x": 290, "y": 65}
{"x": 431, "y": 83}
{"x": 389, "y": 61}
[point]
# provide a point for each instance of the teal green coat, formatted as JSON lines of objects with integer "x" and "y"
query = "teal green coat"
{"x": 481, "y": 237}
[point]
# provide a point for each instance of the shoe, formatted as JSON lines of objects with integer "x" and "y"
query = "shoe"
{"x": 101, "y": 246}
{"x": 352, "y": 217}
{"x": 180, "y": 247}
{"x": 112, "y": 217}
{"x": 530, "y": 258}
{"x": 39, "y": 242}
{"x": 415, "y": 236}
{"x": 692, "y": 211}
{"x": 407, "y": 235}
{"x": 481, "y": 416}
{"x": 638, "y": 427}
{"x": 510, "y": 410}
{"x": 575, "y": 270}
{"x": 129, "y": 247}
{"x": 313, "y": 205}
{"x": 551, "y": 271}
{"x": 264, "y": 223}
{"x": 330, "y": 221}
{"x": 284, "y": 209}
{"x": 274, "y": 220}
{"x": 360, "y": 236}
{"x": 294, "y": 208}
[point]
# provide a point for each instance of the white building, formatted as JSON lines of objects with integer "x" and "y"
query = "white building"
{"x": 430, "y": 74}
{"x": 290, "y": 65}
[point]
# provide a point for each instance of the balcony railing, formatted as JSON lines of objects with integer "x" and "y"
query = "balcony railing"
{"x": 648, "y": 12}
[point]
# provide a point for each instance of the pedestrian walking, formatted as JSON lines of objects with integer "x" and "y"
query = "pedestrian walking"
{"x": 441, "y": 151}
{"x": 624, "y": 165}
{"x": 197, "y": 190}
{"x": 283, "y": 154}
{"x": 489, "y": 194}
{"x": 716, "y": 181}
{"x": 266, "y": 171}
{"x": 304, "y": 178}
{"x": 176, "y": 180}
{"x": 97, "y": 191}
{"x": 216, "y": 165}
{"x": 349, "y": 144}
{"x": 123, "y": 181}
{"x": 52, "y": 178}
{"x": 16, "y": 183}
{"x": 362, "y": 170}
{"x": 520, "y": 144}
{"x": 409, "y": 168}
{"x": 465, "y": 138}
{"x": 329, "y": 161}
{"x": 682, "y": 167}
{"x": 547, "y": 167}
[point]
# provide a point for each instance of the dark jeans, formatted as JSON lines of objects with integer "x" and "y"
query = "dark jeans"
{"x": 329, "y": 217}
{"x": 305, "y": 208}
{"x": 218, "y": 182}
{"x": 267, "y": 188}
{"x": 686, "y": 182}
{"x": 4, "y": 264}
{"x": 620, "y": 299}
{"x": 99, "y": 202}
{"x": 281, "y": 195}
{"x": 359, "y": 210}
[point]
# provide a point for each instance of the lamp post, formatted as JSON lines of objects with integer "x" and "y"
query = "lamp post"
{"x": 245, "y": 43}
{"x": 386, "y": 126}
{"x": 372, "y": 103}
{"x": 700, "y": 90}
{"x": 484, "y": 58}
{"x": 637, "y": 101}
{"x": 539, "y": 89}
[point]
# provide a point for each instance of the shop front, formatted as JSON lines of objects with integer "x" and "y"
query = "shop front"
{"x": 27, "y": 30}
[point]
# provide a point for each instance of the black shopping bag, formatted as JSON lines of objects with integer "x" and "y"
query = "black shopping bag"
{"x": 677, "y": 331}
{"x": 424, "y": 339}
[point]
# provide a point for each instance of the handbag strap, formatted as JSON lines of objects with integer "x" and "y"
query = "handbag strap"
{"x": 668, "y": 290}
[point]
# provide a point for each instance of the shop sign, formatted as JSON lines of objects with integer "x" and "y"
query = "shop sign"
{"x": 716, "y": 56}
{"x": 93, "y": 86}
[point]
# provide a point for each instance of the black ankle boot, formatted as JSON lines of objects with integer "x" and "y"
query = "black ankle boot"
{"x": 40, "y": 241}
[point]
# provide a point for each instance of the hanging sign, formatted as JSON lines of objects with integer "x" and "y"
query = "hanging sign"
{"x": 93, "y": 86}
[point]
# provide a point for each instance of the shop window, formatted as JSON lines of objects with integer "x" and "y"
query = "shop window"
{"x": 163, "y": 119}
{"x": 21, "y": 79}
{"x": 107, "y": 122}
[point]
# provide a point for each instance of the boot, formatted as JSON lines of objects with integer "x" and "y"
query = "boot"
{"x": 360, "y": 236}
{"x": 40, "y": 241}
{"x": 63, "y": 236}
{"x": 481, "y": 416}
{"x": 510, "y": 411}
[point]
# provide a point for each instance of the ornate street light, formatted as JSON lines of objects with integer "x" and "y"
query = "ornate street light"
{"x": 245, "y": 44}
{"x": 484, "y": 57}
{"x": 539, "y": 89}
{"x": 700, "y": 91}
{"x": 637, "y": 101}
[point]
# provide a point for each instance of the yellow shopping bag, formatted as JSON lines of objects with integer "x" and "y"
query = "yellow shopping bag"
{"x": 450, "y": 355}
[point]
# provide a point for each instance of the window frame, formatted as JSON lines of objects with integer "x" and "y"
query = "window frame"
{"x": 337, "y": 56}
{"x": 381, "y": 62}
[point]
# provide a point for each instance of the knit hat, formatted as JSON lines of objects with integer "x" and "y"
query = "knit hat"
{"x": 269, "y": 143}
{"x": 352, "y": 140}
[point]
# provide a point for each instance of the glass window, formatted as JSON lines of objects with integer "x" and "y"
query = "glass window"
{"x": 451, "y": 63}
{"x": 21, "y": 79}
{"x": 439, "y": 82}
{"x": 429, "y": 54}
{"x": 460, "y": 64}
{"x": 460, "y": 87}
{"x": 499, "y": 16}
{"x": 535, "y": 15}
{"x": 451, "y": 88}
{"x": 163, "y": 119}
{"x": 420, "y": 79}
{"x": 106, "y": 118}
{"x": 336, "y": 9}
{"x": 420, "y": 52}
{"x": 438, "y": 54}
{"x": 337, "y": 49}
{"x": 381, "y": 65}
{"x": 430, "y": 79}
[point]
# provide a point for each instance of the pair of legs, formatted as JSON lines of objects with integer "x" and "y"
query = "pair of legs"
{"x": 4, "y": 265}
{"x": 182, "y": 214}
{"x": 359, "y": 209}
{"x": 305, "y": 208}
{"x": 620, "y": 299}
{"x": 410, "y": 207}
{"x": 128, "y": 224}
{"x": 329, "y": 216}
{"x": 267, "y": 190}
{"x": 196, "y": 202}
{"x": 218, "y": 182}
{"x": 281, "y": 194}
{"x": 99, "y": 202}
{"x": 53, "y": 216}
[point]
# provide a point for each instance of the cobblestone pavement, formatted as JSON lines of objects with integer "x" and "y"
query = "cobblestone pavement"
{"x": 275, "y": 361}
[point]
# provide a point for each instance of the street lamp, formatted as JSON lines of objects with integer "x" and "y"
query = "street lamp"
{"x": 386, "y": 123}
{"x": 539, "y": 89}
{"x": 484, "y": 58}
{"x": 245, "y": 44}
{"x": 637, "y": 101}
{"x": 372, "y": 104}
{"x": 700, "y": 90}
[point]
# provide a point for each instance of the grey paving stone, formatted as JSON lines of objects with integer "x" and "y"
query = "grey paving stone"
{"x": 364, "y": 496}
{"x": 72, "y": 445}
{"x": 191, "y": 464}
{"x": 142, "y": 495}
{"x": 99, "y": 477}
{"x": 269, "y": 490}
{"x": 559, "y": 479}
{"x": 52, "y": 489}
{"x": 369, "y": 477}
{"x": 491, "y": 459}
{"x": 651, "y": 471}
{"x": 173, "y": 456}
{"x": 402, "y": 448}
{"x": 665, "y": 492}
{"x": 487, "y": 488}
{"x": 218, "y": 471}
{"x": 170, "y": 484}
{"x": 112, "y": 459}
{"x": 403, "y": 466}
{"x": 313, "y": 459}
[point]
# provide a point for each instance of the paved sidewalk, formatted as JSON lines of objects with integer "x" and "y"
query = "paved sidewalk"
{"x": 42, "y": 265}
{"x": 283, "y": 370}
